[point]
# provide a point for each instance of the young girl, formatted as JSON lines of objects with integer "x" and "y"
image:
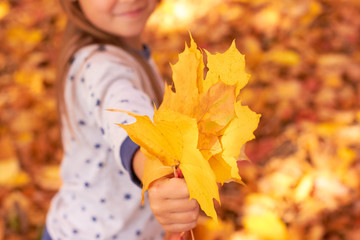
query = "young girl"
{"x": 103, "y": 64}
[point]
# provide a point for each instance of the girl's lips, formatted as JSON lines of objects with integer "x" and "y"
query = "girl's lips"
{"x": 131, "y": 13}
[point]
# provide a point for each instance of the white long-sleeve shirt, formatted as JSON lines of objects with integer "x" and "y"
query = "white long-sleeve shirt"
{"x": 98, "y": 198}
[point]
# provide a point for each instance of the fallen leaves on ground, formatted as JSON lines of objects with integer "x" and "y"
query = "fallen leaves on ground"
{"x": 303, "y": 57}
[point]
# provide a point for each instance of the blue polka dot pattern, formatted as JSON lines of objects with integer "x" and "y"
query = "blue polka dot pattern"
{"x": 75, "y": 231}
{"x": 86, "y": 184}
{"x": 101, "y": 48}
{"x": 94, "y": 219}
{"x": 98, "y": 102}
{"x": 71, "y": 60}
{"x": 97, "y": 145}
{"x": 138, "y": 233}
{"x": 103, "y": 200}
{"x": 102, "y": 131}
{"x": 127, "y": 196}
{"x": 82, "y": 122}
{"x": 72, "y": 78}
{"x": 100, "y": 165}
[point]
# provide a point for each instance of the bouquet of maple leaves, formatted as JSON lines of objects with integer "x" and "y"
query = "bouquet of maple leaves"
{"x": 201, "y": 127}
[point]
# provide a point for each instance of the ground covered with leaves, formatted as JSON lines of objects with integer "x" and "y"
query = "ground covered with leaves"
{"x": 303, "y": 181}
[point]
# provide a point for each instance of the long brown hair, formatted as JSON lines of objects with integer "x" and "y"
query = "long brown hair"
{"x": 78, "y": 33}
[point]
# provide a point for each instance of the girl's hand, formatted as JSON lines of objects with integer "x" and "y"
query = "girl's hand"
{"x": 169, "y": 202}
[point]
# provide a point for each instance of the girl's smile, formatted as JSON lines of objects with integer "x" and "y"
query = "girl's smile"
{"x": 131, "y": 13}
{"x": 123, "y": 18}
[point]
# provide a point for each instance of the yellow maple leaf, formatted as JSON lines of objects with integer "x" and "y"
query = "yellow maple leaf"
{"x": 171, "y": 140}
{"x": 209, "y": 144}
{"x": 201, "y": 126}
{"x": 214, "y": 112}
{"x": 221, "y": 169}
{"x": 216, "y": 107}
{"x": 190, "y": 66}
{"x": 200, "y": 180}
{"x": 239, "y": 131}
{"x": 228, "y": 67}
{"x": 162, "y": 138}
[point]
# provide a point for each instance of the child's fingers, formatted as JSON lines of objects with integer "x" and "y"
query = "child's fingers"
{"x": 181, "y": 218}
{"x": 178, "y": 227}
{"x": 167, "y": 206}
{"x": 172, "y": 188}
{"x": 180, "y": 205}
{"x": 170, "y": 203}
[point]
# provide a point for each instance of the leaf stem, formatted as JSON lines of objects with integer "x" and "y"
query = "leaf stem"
{"x": 178, "y": 174}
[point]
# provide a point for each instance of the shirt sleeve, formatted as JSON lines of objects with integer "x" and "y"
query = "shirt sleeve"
{"x": 109, "y": 84}
{"x": 127, "y": 151}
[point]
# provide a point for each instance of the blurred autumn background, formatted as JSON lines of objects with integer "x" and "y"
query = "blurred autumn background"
{"x": 303, "y": 181}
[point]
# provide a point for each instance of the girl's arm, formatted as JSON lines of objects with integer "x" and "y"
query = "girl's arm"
{"x": 138, "y": 163}
{"x": 169, "y": 200}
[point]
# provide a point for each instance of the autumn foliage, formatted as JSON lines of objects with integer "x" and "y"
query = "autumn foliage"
{"x": 201, "y": 126}
{"x": 303, "y": 57}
